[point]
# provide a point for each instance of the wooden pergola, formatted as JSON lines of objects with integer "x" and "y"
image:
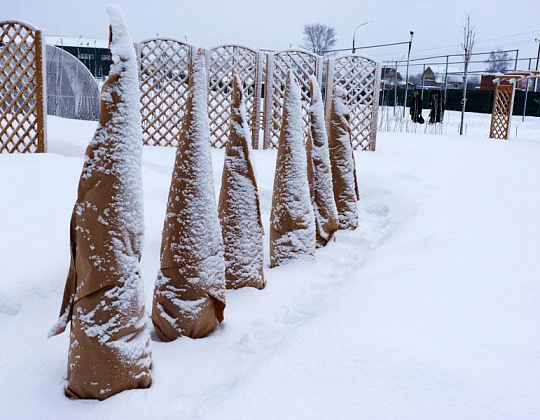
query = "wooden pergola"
{"x": 503, "y": 103}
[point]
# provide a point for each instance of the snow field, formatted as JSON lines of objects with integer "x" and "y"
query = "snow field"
{"x": 428, "y": 310}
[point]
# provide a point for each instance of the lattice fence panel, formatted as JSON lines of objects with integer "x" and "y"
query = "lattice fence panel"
{"x": 247, "y": 63}
{"x": 22, "y": 89}
{"x": 164, "y": 68}
{"x": 359, "y": 77}
{"x": 502, "y": 112}
{"x": 303, "y": 64}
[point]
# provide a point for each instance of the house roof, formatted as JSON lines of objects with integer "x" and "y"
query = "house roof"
{"x": 439, "y": 71}
{"x": 74, "y": 41}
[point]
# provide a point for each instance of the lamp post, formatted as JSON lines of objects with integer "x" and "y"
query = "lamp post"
{"x": 407, "y": 74}
{"x": 354, "y": 34}
{"x": 537, "y": 59}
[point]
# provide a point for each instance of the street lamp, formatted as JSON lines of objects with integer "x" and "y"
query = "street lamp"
{"x": 411, "y": 33}
{"x": 354, "y": 34}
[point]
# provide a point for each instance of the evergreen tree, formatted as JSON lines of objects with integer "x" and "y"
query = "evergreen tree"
{"x": 109, "y": 348}
{"x": 239, "y": 208}
{"x": 343, "y": 164}
{"x": 319, "y": 169}
{"x": 292, "y": 224}
{"x": 189, "y": 294}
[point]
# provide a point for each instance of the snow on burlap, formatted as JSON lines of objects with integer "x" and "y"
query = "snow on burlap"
{"x": 239, "y": 208}
{"x": 344, "y": 179}
{"x": 189, "y": 294}
{"x": 319, "y": 169}
{"x": 292, "y": 224}
{"x": 103, "y": 297}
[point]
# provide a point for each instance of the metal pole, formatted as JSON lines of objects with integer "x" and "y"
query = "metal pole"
{"x": 446, "y": 83}
{"x": 537, "y": 59}
{"x": 395, "y": 89}
{"x": 525, "y": 100}
{"x": 407, "y": 74}
{"x": 526, "y": 95}
{"x": 423, "y": 71}
{"x": 516, "y": 62}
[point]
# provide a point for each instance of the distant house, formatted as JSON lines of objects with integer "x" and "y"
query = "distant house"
{"x": 93, "y": 53}
{"x": 389, "y": 78}
{"x": 435, "y": 77}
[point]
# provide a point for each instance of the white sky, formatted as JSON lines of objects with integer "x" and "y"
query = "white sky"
{"x": 277, "y": 24}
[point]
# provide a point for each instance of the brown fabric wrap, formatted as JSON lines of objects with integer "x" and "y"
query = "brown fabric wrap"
{"x": 189, "y": 294}
{"x": 239, "y": 206}
{"x": 326, "y": 218}
{"x": 292, "y": 225}
{"x": 344, "y": 180}
{"x": 103, "y": 296}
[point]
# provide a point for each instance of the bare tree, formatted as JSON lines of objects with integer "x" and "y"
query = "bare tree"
{"x": 319, "y": 38}
{"x": 497, "y": 61}
{"x": 469, "y": 36}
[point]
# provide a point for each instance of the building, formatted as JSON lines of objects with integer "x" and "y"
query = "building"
{"x": 437, "y": 76}
{"x": 389, "y": 77}
{"x": 93, "y": 53}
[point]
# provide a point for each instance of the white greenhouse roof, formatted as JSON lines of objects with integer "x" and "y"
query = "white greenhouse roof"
{"x": 76, "y": 41}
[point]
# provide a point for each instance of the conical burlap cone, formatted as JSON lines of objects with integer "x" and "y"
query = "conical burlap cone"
{"x": 320, "y": 170}
{"x": 109, "y": 341}
{"x": 292, "y": 225}
{"x": 239, "y": 208}
{"x": 343, "y": 165}
{"x": 189, "y": 294}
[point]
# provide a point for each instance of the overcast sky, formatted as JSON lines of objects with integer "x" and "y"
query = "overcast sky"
{"x": 278, "y": 24}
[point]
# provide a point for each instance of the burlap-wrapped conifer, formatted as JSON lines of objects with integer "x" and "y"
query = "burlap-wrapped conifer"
{"x": 189, "y": 294}
{"x": 292, "y": 225}
{"x": 319, "y": 169}
{"x": 103, "y": 299}
{"x": 239, "y": 208}
{"x": 343, "y": 165}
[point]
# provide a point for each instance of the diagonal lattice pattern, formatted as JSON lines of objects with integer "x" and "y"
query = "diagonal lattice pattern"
{"x": 303, "y": 64}
{"x": 359, "y": 77}
{"x": 22, "y": 96}
{"x": 164, "y": 68}
{"x": 246, "y": 63}
{"x": 502, "y": 109}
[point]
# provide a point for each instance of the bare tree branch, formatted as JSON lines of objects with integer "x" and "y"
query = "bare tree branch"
{"x": 497, "y": 61}
{"x": 319, "y": 38}
{"x": 469, "y": 37}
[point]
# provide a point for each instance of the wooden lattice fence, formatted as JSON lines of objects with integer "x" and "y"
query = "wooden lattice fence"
{"x": 22, "y": 89}
{"x": 359, "y": 77}
{"x": 303, "y": 64}
{"x": 164, "y": 66}
{"x": 502, "y": 111}
{"x": 222, "y": 62}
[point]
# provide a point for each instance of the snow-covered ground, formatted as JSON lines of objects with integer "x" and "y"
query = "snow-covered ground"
{"x": 430, "y": 310}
